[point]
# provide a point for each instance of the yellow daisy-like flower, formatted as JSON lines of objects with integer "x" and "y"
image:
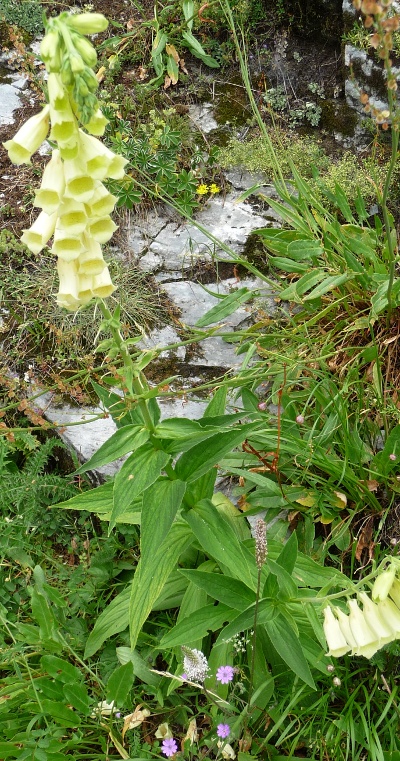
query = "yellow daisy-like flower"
{"x": 214, "y": 188}
{"x": 202, "y": 190}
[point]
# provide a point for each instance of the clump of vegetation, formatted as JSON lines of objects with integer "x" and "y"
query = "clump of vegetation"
{"x": 27, "y": 16}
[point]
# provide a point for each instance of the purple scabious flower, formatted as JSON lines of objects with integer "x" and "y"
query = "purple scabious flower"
{"x": 223, "y": 730}
{"x": 169, "y": 746}
{"x": 225, "y": 674}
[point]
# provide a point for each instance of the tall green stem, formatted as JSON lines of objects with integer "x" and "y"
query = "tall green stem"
{"x": 134, "y": 379}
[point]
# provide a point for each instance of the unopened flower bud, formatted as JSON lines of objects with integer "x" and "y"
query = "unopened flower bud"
{"x": 383, "y": 584}
{"x": 336, "y": 681}
{"x": 88, "y": 23}
{"x": 300, "y": 419}
{"x": 50, "y": 50}
{"x": 85, "y": 50}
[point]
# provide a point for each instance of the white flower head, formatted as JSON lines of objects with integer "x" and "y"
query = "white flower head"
{"x": 195, "y": 664}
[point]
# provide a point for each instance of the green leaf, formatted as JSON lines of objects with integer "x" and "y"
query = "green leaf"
{"x": 43, "y": 615}
{"x": 149, "y": 580}
{"x": 161, "y": 502}
{"x": 197, "y": 50}
{"x": 172, "y": 69}
{"x": 140, "y": 668}
{"x": 200, "y": 458}
{"x": 159, "y": 44}
{"x": 77, "y": 696}
{"x": 217, "y": 404}
{"x": 60, "y": 713}
{"x": 188, "y": 12}
{"x": 225, "y": 589}
{"x": 287, "y": 587}
{"x": 288, "y": 265}
{"x": 197, "y": 625}
{"x": 112, "y": 620}
{"x": 98, "y": 500}
{"x": 140, "y": 470}
{"x": 331, "y": 282}
{"x": 288, "y": 556}
{"x": 294, "y": 291}
{"x": 218, "y": 539}
{"x": 120, "y": 684}
{"x": 225, "y": 307}
{"x": 288, "y": 647}
{"x": 124, "y": 440}
{"x": 60, "y": 669}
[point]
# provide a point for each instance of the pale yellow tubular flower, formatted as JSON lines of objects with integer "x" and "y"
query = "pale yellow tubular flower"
{"x": 391, "y": 614}
{"x": 91, "y": 260}
{"x": 70, "y": 149}
{"x": 344, "y": 624}
{"x": 102, "y": 229}
{"x": 57, "y": 94}
{"x": 100, "y": 161}
{"x": 36, "y": 237}
{"x": 367, "y": 642}
{"x": 88, "y": 23}
{"x": 85, "y": 288}
{"x": 102, "y": 285}
{"x": 66, "y": 246}
{"x": 64, "y": 127}
{"x": 72, "y": 217}
{"x": 101, "y": 203}
{"x": 67, "y": 296}
{"x": 85, "y": 50}
{"x": 383, "y": 584}
{"x": 49, "y": 195}
{"x": 334, "y": 636}
{"x": 382, "y": 628}
{"x": 394, "y": 592}
{"x": 28, "y": 138}
{"x": 78, "y": 182}
{"x": 97, "y": 124}
{"x": 50, "y": 50}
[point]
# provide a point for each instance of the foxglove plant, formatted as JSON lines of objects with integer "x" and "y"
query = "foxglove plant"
{"x": 75, "y": 205}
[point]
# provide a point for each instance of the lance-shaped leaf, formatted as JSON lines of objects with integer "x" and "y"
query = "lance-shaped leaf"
{"x": 139, "y": 471}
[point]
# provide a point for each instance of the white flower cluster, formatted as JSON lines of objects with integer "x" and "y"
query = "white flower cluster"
{"x": 364, "y": 631}
{"x": 75, "y": 205}
{"x": 195, "y": 664}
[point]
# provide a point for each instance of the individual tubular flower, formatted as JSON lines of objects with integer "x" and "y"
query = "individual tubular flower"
{"x": 344, "y": 624}
{"x": 334, "y": 636}
{"x": 390, "y": 614}
{"x": 85, "y": 288}
{"x": 97, "y": 124}
{"x": 36, "y": 237}
{"x": 382, "y": 628}
{"x": 101, "y": 203}
{"x": 66, "y": 246}
{"x": 100, "y": 161}
{"x": 78, "y": 182}
{"x": 91, "y": 260}
{"x": 85, "y": 49}
{"x": 49, "y": 195}
{"x": 64, "y": 127}
{"x": 102, "y": 229}
{"x": 51, "y": 49}
{"x": 383, "y": 584}
{"x": 367, "y": 642}
{"x": 67, "y": 296}
{"x": 72, "y": 217}
{"x": 102, "y": 285}
{"x": 28, "y": 138}
{"x": 57, "y": 95}
{"x": 394, "y": 592}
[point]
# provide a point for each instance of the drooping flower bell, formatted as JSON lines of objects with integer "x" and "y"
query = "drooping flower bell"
{"x": 334, "y": 636}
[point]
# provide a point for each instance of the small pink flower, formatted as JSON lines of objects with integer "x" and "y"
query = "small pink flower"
{"x": 184, "y": 676}
{"x": 169, "y": 746}
{"x": 225, "y": 674}
{"x": 300, "y": 419}
{"x": 262, "y": 406}
{"x": 392, "y": 457}
{"x": 223, "y": 730}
